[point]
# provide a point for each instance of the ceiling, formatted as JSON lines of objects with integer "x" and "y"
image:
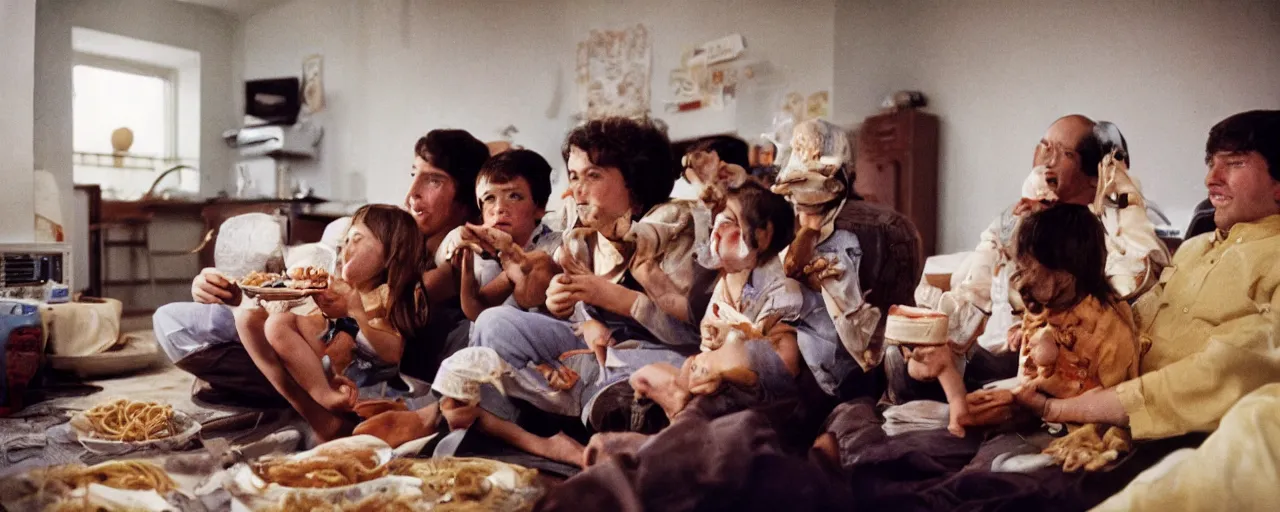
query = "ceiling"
{"x": 239, "y": 8}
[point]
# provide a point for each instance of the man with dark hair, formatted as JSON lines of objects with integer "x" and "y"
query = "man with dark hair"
{"x": 1209, "y": 326}
{"x": 445, "y": 163}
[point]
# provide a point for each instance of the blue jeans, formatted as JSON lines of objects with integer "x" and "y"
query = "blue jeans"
{"x": 525, "y": 339}
{"x": 183, "y": 328}
{"x": 201, "y": 339}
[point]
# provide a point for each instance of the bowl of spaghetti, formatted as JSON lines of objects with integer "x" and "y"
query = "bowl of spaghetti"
{"x": 122, "y": 425}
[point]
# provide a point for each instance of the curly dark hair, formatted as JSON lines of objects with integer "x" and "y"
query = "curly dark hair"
{"x": 1255, "y": 130}
{"x": 761, "y": 207}
{"x": 638, "y": 149}
{"x": 1068, "y": 237}
{"x": 730, "y": 149}
{"x": 459, "y": 154}
{"x": 505, "y": 167}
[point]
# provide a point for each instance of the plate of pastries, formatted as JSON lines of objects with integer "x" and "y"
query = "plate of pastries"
{"x": 297, "y": 283}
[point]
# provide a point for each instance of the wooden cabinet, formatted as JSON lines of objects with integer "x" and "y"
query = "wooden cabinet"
{"x": 897, "y": 165}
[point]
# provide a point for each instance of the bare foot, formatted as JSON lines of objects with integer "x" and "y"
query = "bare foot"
{"x": 957, "y": 404}
{"x": 657, "y": 382}
{"x": 395, "y": 427}
{"x": 342, "y": 396}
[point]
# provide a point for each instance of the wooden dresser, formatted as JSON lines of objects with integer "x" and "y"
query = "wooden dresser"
{"x": 897, "y": 165}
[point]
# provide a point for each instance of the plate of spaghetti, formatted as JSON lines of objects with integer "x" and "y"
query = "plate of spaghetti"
{"x": 113, "y": 485}
{"x": 331, "y": 469}
{"x": 123, "y": 425}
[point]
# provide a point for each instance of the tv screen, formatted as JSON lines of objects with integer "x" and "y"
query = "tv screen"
{"x": 273, "y": 100}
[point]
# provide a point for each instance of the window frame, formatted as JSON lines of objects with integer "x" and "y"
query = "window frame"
{"x": 168, "y": 75}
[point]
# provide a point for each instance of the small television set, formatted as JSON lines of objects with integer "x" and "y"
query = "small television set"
{"x": 272, "y": 101}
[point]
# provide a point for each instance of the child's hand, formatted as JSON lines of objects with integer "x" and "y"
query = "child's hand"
{"x": 464, "y": 261}
{"x": 560, "y": 299}
{"x": 332, "y": 304}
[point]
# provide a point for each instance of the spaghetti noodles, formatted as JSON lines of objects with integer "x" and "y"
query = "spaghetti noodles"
{"x": 131, "y": 421}
{"x": 332, "y": 469}
{"x": 132, "y": 475}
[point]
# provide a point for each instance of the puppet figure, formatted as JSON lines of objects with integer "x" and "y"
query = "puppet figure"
{"x": 713, "y": 177}
{"x": 816, "y": 180}
{"x": 1076, "y": 335}
{"x": 748, "y": 333}
{"x": 922, "y": 335}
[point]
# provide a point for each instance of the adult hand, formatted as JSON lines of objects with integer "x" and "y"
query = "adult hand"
{"x": 211, "y": 287}
{"x": 1032, "y": 399}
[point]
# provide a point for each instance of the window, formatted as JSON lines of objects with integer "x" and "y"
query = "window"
{"x": 110, "y": 94}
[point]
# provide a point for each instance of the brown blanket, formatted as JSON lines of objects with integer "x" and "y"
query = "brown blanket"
{"x": 933, "y": 470}
{"x": 735, "y": 462}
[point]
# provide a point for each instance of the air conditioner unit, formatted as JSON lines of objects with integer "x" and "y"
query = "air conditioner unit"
{"x": 40, "y": 272}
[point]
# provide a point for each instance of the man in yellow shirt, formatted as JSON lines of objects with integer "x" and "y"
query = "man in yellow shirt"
{"x": 1209, "y": 325}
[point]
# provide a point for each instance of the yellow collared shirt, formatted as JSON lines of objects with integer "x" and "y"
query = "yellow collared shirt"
{"x": 1209, "y": 330}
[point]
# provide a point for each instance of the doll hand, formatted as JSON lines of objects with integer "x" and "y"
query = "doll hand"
{"x": 820, "y": 270}
{"x": 598, "y": 336}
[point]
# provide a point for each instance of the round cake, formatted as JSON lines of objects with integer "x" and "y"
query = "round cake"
{"x": 908, "y": 325}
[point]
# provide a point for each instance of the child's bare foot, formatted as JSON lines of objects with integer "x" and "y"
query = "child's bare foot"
{"x": 657, "y": 382}
{"x": 341, "y": 397}
{"x": 395, "y": 427}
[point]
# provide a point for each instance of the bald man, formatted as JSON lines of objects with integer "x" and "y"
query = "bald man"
{"x": 979, "y": 306}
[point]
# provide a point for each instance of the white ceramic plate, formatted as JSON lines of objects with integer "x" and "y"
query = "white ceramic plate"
{"x": 188, "y": 428}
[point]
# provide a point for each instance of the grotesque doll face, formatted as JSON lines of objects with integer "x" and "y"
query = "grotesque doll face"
{"x": 600, "y": 193}
{"x": 735, "y": 243}
{"x": 1042, "y": 287}
{"x": 814, "y": 178}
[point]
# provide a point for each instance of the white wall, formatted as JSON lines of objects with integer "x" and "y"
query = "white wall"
{"x": 17, "y": 55}
{"x": 999, "y": 72}
{"x": 394, "y": 70}
{"x": 205, "y": 30}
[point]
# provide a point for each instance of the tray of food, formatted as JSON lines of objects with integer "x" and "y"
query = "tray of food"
{"x": 115, "y": 485}
{"x": 363, "y": 473}
{"x": 299, "y": 282}
{"x": 122, "y": 426}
